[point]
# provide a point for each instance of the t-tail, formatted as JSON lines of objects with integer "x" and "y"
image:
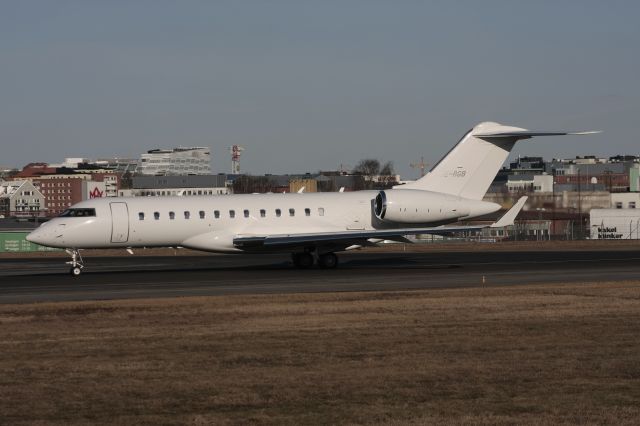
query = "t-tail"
{"x": 470, "y": 166}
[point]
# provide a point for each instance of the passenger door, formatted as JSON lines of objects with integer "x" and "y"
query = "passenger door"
{"x": 119, "y": 222}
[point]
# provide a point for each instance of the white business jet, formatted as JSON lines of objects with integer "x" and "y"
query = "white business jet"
{"x": 311, "y": 226}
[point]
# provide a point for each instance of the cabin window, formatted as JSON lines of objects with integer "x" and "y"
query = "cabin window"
{"x": 320, "y": 211}
{"x": 263, "y": 213}
{"x": 278, "y": 212}
{"x": 156, "y": 215}
{"x": 307, "y": 212}
{"x": 292, "y": 212}
{"x": 141, "y": 216}
{"x": 232, "y": 214}
{"x": 201, "y": 214}
{"x": 187, "y": 214}
{"x": 216, "y": 214}
{"x": 172, "y": 215}
{"x": 246, "y": 213}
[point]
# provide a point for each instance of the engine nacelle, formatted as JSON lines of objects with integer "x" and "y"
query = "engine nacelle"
{"x": 417, "y": 206}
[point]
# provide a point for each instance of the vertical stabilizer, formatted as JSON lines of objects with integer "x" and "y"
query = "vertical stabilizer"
{"x": 472, "y": 164}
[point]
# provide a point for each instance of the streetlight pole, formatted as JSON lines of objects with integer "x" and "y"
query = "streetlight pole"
{"x": 553, "y": 200}
{"x": 580, "y": 203}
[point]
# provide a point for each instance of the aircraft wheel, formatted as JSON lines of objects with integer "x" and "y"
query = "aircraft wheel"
{"x": 328, "y": 260}
{"x": 75, "y": 271}
{"x": 302, "y": 260}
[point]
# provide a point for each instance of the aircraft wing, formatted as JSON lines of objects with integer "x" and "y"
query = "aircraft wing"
{"x": 347, "y": 238}
{"x": 342, "y": 237}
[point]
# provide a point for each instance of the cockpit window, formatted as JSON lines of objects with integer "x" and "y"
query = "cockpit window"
{"x": 78, "y": 213}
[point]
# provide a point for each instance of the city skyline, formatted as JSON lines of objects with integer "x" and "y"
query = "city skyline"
{"x": 307, "y": 87}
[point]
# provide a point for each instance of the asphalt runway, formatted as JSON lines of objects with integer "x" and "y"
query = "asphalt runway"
{"x": 46, "y": 279}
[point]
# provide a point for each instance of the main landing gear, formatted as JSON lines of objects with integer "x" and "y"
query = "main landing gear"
{"x": 307, "y": 259}
{"x": 76, "y": 262}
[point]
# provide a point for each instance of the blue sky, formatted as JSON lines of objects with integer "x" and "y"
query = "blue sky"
{"x": 311, "y": 85}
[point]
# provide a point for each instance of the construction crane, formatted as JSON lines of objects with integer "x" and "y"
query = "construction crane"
{"x": 236, "y": 151}
{"x": 421, "y": 165}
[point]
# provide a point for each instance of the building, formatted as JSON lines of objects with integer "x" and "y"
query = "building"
{"x": 322, "y": 182}
{"x": 162, "y": 186}
{"x": 304, "y": 185}
{"x": 625, "y": 200}
{"x": 118, "y": 165}
{"x": 615, "y": 224}
{"x": 530, "y": 183}
{"x": 72, "y": 168}
{"x": 634, "y": 178}
{"x": 6, "y": 172}
{"x": 110, "y": 181}
{"x": 527, "y": 166}
{"x": 176, "y": 161}
{"x": 21, "y": 198}
{"x": 32, "y": 170}
{"x": 61, "y": 191}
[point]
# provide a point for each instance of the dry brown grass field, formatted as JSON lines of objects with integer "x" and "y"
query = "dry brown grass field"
{"x": 561, "y": 354}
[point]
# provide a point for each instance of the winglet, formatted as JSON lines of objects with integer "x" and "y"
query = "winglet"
{"x": 508, "y": 218}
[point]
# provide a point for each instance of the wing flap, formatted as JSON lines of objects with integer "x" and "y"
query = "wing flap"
{"x": 341, "y": 237}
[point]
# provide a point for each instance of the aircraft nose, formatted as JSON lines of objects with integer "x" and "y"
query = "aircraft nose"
{"x": 42, "y": 236}
{"x": 35, "y": 237}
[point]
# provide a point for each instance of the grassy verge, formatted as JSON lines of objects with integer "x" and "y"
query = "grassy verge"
{"x": 535, "y": 354}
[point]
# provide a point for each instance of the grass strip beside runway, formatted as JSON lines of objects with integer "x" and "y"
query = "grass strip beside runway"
{"x": 528, "y": 354}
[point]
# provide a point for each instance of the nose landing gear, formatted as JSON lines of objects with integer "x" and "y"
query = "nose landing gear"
{"x": 76, "y": 262}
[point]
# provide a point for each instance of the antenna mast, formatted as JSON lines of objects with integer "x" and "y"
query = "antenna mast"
{"x": 236, "y": 151}
{"x": 421, "y": 165}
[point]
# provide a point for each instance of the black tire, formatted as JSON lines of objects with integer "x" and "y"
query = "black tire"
{"x": 75, "y": 271}
{"x": 302, "y": 260}
{"x": 328, "y": 260}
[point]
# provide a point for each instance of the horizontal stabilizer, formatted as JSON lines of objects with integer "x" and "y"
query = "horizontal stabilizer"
{"x": 525, "y": 134}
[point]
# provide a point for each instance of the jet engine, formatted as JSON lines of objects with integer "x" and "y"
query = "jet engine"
{"x": 417, "y": 206}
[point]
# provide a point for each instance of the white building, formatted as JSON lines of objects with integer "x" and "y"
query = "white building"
{"x": 615, "y": 224}
{"x": 176, "y": 161}
{"x": 543, "y": 183}
{"x": 528, "y": 183}
{"x": 625, "y": 200}
{"x": 20, "y": 198}
{"x": 163, "y": 186}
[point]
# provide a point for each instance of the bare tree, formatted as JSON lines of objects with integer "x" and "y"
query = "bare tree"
{"x": 387, "y": 175}
{"x": 367, "y": 167}
{"x": 375, "y": 176}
